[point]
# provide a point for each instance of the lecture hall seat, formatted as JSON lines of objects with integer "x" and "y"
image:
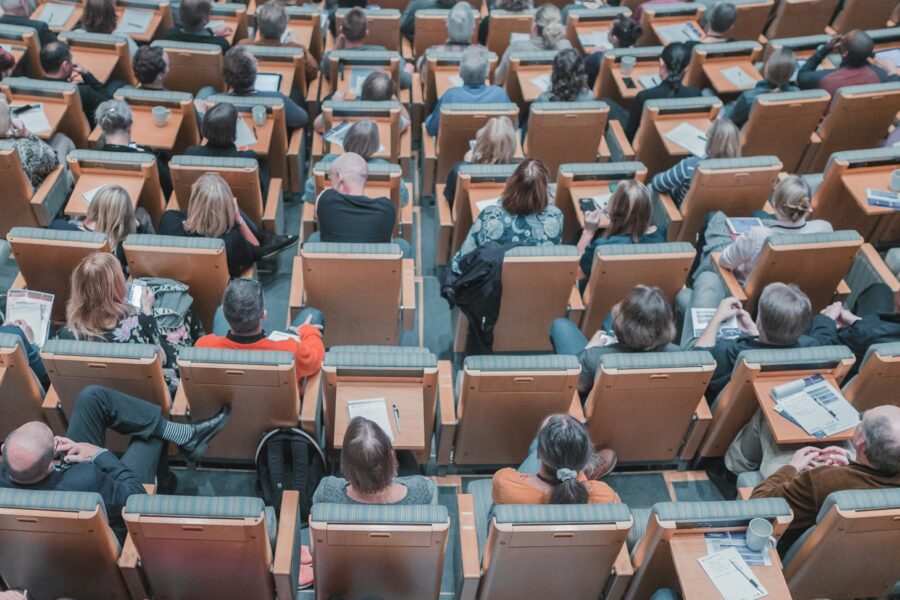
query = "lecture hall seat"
{"x": 21, "y": 395}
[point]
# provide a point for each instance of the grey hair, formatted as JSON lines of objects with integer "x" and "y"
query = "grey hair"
{"x": 882, "y": 444}
{"x": 243, "y": 304}
{"x": 473, "y": 68}
{"x": 271, "y": 19}
{"x": 113, "y": 115}
{"x": 460, "y": 23}
{"x": 8, "y": 5}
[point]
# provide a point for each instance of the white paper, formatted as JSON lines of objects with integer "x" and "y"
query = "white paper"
{"x": 89, "y": 194}
{"x": 738, "y": 78}
{"x": 717, "y": 541}
{"x": 598, "y": 40}
{"x": 738, "y": 225}
{"x": 267, "y": 82}
{"x": 731, "y": 575}
{"x": 690, "y": 138}
{"x": 337, "y": 133}
{"x": 819, "y": 408}
{"x": 283, "y": 336}
{"x": 56, "y": 15}
{"x": 456, "y": 80}
{"x": 135, "y": 21}
{"x": 244, "y": 135}
{"x": 800, "y": 63}
{"x": 700, "y": 318}
{"x": 32, "y": 307}
{"x": 519, "y": 37}
{"x": 35, "y": 119}
{"x": 217, "y": 24}
{"x": 285, "y": 37}
{"x": 805, "y": 411}
{"x": 357, "y": 78}
{"x": 893, "y": 55}
{"x": 542, "y": 81}
{"x": 487, "y": 202}
{"x": 649, "y": 81}
{"x": 373, "y": 409}
{"x": 678, "y": 32}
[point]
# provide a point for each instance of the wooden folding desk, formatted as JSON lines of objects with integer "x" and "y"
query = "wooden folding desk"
{"x": 132, "y": 182}
{"x": 641, "y": 69}
{"x": 525, "y": 73}
{"x": 286, "y": 70}
{"x": 144, "y": 131}
{"x": 675, "y": 20}
{"x": 101, "y": 62}
{"x": 409, "y": 433}
{"x": 149, "y": 34}
{"x": 784, "y": 430}
{"x": 591, "y": 28}
{"x": 589, "y": 189}
{"x": 70, "y": 23}
{"x": 478, "y": 193}
{"x": 301, "y": 32}
{"x": 263, "y": 134}
{"x": 384, "y": 136}
{"x": 667, "y": 123}
{"x": 855, "y": 182}
{"x": 713, "y": 71}
{"x": 54, "y": 109}
{"x": 17, "y": 52}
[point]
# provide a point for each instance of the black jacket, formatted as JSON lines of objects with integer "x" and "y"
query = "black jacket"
{"x": 871, "y": 329}
{"x": 93, "y": 94}
{"x": 477, "y": 291}
{"x": 177, "y": 34}
{"x": 45, "y": 36}
{"x": 162, "y": 164}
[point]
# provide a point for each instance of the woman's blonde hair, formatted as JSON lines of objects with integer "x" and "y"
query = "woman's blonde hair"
{"x": 723, "y": 140}
{"x": 792, "y": 198}
{"x": 211, "y": 209}
{"x": 495, "y": 143}
{"x": 780, "y": 66}
{"x": 97, "y": 297}
{"x": 111, "y": 212}
{"x": 630, "y": 210}
{"x": 363, "y": 139}
{"x": 548, "y": 21}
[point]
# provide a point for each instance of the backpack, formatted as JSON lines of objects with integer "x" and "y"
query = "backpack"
{"x": 172, "y": 311}
{"x": 289, "y": 459}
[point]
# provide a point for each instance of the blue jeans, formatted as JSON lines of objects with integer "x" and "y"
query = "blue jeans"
{"x": 566, "y": 337}
{"x": 405, "y": 248}
{"x": 221, "y": 328}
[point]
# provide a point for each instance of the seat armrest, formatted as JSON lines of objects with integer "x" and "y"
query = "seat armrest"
{"x": 700, "y": 422}
{"x": 429, "y": 164}
{"x": 732, "y": 287}
{"x": 575, "y": 409}
{"x": 294, "y": 158}
{"x": 811, "y": 153}
{"x": 285, "y": 545}
{"x": 468, "y": 548}
{"x": 744, "y": 493}
{"x": 666, "y": 214}
{"x": 576, "y": 305}
{"x": 307, "y": 220}
{"x": 309, "y": 405}
{"x": 449, "y": 420}
{"x": 295, "y": 300}
{"x": 180, "y": 407}
{"x": 619, "y": 148}
{"x": 445, "y": 225}
{"x": 150, "y": 488}
{"x": 408, "y": 294}
{"x": 415, "y": 89}
{"x": 622, "y": 573}
{"x": 273, "y": 215}
{"x": 19, "y": 282}
{"x": 50, "y": 197}
{"x": 868, "y": 253}
{"x": 53, "y": 412}
{"x": 842, "y": 292}
{"x": 405, "y": 221}
{"x": 129, "y": 565}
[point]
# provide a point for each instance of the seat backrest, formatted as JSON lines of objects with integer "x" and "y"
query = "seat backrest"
{"x": 383, "y": 180}
{"x": 104, "y": 54}
{"x": 541, "y": 551}
{"x": 503, "y": 24}
{"x": 591, "y": 23}
{"x": 357, "y": 286}
{"x": 816, "y": 262}
{"x": 861, "y": 528}
{"x": 237, "y": 16}
{"x": 617, "y": 268}
{"x": 708, "y": 55}
{"x": 446, "y": 63}
{"x": 565, "y": 132}
{"x": 661, "y": 116}
{"x": 504, "y": 399}
{"x": 25, "y": 40}
{"x": 801, "y": 17}
{"x": 752, "y": 16}
{"x": 383, "y": 26}
{"x": 64, "y": 531}
{"x": 47, "y": 257}
{"x": 198, "y": 262}
{"x": 735, "y": 186}
{"x": 163, "y": 8}
{"x": 202, "y": 547}
{"x": 660, "y": 16}
{"x": 878, "y": 381}
{"x": 285, "y": 60}
{"x": 304, "y": 24}
{"x": 16, "y": 197}
{"x": 606, "y": 86}
{"x": 141, "y": 99}
{"x": 863, "y": 14}
{"x": 382, "y": 550}
{"x": 385, "y": 114}
{"x": 643, "y": 404}
{"x": 803, "y": 46}
{"x": 73, "y": 122}
{"x": 192, "y": 66}
{"x": 431, "y": 29}
{"x": 241, "y": 174}
{"x": 475, "y": 183}
{"x": 781, "y": 124}
{"x": 460, "y": 123}
{"x": 259, "y": 385}
{"x": 20, "y": 393}
{"x": 347, "y": 69}
{"x": 100, "y": 167}
{"x": 737, "y": 403}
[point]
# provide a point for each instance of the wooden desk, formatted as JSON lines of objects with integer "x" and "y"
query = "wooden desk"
{"x": 54, "y": 109}
{"x": 145, "y": 132}
{"x": 695, "y": 584}
{"x": 17, "y": 52}
{"x": 479, "y": 193}
{"x": 101, "y": 62}
{"x": 662, "y": 23}
{"x": 286, "y": 71}
{"x": 442, "y": 79}
{"x": 641, "y": 69}
{"x": 231, "y": 22}
{"x": 857, "y": 180}
{"x": 665, "y": 125}
{"x": 409, "y": 434}
{"x": 301, "y": 32}
{"x": 262, "y": 132}
{"x": 713, "y": 71}
{"x": 589, "y": 190}
{"x": 70, "y": 23}
{"x": 783, "y": 430}
{"x": 525, "y": 73}
{"x": 77, "y": 207}
{"x": 149, "y": 34}
{"x": 590, "y": 29}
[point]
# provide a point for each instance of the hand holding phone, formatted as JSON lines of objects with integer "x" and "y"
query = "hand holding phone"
{"x": 587, "y": 205}
{"x": 136, "y": 293}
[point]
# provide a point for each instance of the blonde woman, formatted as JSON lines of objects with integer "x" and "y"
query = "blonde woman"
{"x": 213, "y": 212}
{"x": 723, "y": 141}
{"x": 495, "y": 144}
{"x": 547, "y": 33}
{"x": 777, "y": 72}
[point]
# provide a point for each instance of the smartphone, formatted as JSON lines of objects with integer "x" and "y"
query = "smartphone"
{"x": 136, "y": 293}
{"x": 587, "y": 204}
{"x": 629, "y": 83}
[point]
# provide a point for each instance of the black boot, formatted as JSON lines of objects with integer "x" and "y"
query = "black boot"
{"x": 204, "y": 432}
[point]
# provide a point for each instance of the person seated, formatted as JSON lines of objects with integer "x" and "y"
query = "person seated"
{"x": 718, "y": 22}
{"x": 58, "y": 65}
{"x": 112, "y": 212}
{"x": 522, "y": 217}
{"x": 271, "y": 25}
{"x": 723, "y": 140}
{"x": 18, "y": 12}
{"x": 194, "y": 17}
{"x": 495, "y": 144}
{"x": 23, "y": 331}
{"x": 672, "y": 65}
{"x": 354, "y": 31}
{"x": 568, "y": 81}
{"x": 813, "y": 473}
{"x": 855, "y": 48}
{"x": 639, "y": 11}
{"x": 116, "y": 121}
{"x": 561, "y": 468}
{"x": 641, "y": 322}
{"x": 547, "y": 33}
{"x": 151, "y": 66}
{"x": 516, "y": 6}
{"x": 244, "y": 309}
{"x": 362, "y": 138}
{"x": 408, "y": 16}
{"x": 369, "y": 469}
{"x": 460, "y": 29}
{"x": 85, "y": 465}
{"x": 99, "y": 16}
{"x": 7, "y": 64}
{"x": 624, "y": 33}
{"x": 630, "y": 213}
{"x": 213, "y": 212}
{"x": 473, "y": 70}
{"x": 37, "y": 157}
{"x": 219, "y": 128}
{"x": 777, "y": 73}
{"x": 784, "y": 320}
{"x": 875, "y": 319}
{"x": 378, "y": 86}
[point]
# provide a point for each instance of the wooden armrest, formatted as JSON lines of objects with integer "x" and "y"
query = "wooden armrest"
{"x": 295, "y": 300}
{"x": 310, "y": 404}
{"x": 406, "y": 218}
{"x": 744, "y": 493}
{"x": 445, "y": 225}
{"x": 408, "y": 294}
{"x": 53, "y": 412}
{"x": 429, "y": 145}
{"x": 150, "y": 488}
{"x": 874, "y": 259}
{"x": 19, "y": 282}
{"x": 180, "y": 407}
{"x": 295, "y": 142}
{"x": 272, "y": 219}
{"x": 307, "y": 220}
{"x": 732, "y": 287}
{"x": 575, "y": 409}
{"x": 416, "y": 89}
{"x": 42, "y": 194}
{"x": 696, "y": 430}
{"x": 576, "y": 305}
{"x": 614, "y": 128}
{"x": 842, "y": 291}
{"x": 128, "y": 563}
{"x": 449, "y": 420}
{"x": 623, "y": 571}
{"x": 285, "y": 586}
{"x": 468, "y": 547}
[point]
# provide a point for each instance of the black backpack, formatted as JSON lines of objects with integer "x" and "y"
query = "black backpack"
{"x": 289, "y": 459}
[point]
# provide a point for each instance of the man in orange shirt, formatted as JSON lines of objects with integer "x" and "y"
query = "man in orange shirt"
{"x": 244, "y": 309}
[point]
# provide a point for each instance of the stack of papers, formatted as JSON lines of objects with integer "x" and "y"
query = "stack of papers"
{"x": 357, "y": 77}
{"x": 55, "y": 15}
{"x": 649, "y": 81}
{"x": 136, "y": 21}
{"x": 542, "y": 82}
{"x": 285, "y": 37}
{"x": 374, "y": 409}
{"x": 700, "y": 318}
{"x": 690, "y": 138}
{"x": 244, "y": 137}
{"x": 35, "y": 119}
{"x": 519, "y": 37}
{"x": 800, "y": 63}
{"x": 731, "y": 575}
{"x": 738, "y": 78}
{"x": 34, "y": 308}
{"x": 718, "y": 541}
{"x": 596, "y": 40}
{"x": 883, "y": 198}
{"x": 89, "y": 194}
{"x": 679, "y": 32}
{"x": 487, "y": 202}
{"x": 815, "y": 405}
{"x": 283, "y": 336}
{"x": 738, "y": 225}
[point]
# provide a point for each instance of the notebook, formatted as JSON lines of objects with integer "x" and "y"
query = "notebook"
{"x": 55, "y": 15}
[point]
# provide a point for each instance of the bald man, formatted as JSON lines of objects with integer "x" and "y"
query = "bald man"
{"x": 858, "y": 64}
{"x": 85, "y": 466}
{"x": 813, "y": 473}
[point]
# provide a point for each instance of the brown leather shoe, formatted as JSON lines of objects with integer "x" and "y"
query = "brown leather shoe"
{"x": 605, "y": 463}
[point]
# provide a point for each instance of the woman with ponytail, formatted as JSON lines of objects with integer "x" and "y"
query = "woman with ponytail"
{"x": 547, "y": 33}
{"x": 557, "y": 469}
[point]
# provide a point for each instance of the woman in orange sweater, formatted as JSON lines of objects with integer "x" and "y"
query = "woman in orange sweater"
{"x": 565, "y": 453}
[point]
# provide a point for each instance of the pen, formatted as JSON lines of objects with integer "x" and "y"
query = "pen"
{"x": 397, "y": 417}
{"x": 20, "y": 109}
{"x": 741, "y": 571}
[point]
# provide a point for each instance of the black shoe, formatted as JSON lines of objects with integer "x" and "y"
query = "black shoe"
{"x": 204, "y": 432}
{"x": 276, "y": 244}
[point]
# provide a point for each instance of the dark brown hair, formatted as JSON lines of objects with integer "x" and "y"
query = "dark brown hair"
{"x": 219, "y": 125}
{"x": 629, "y": 210}
{"x": 367, "y": 458}
{"x": 239, "y": 68}
{"x": 526, "y": 191}
{"x": 99, "y": 16}
{"x": 643, "y": 321}
{"x": 149, "y": 62}
{"x": 194, "y": 13}
{"x": 564, "y": 448}
{"x": 354, "y": 25}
